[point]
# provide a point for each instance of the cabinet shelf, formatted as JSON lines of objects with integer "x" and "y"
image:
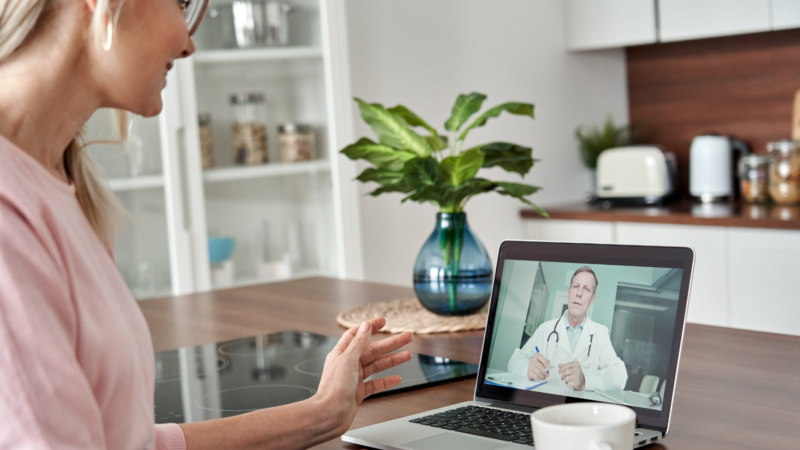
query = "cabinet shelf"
{"x": 136, "y": 183}
{"x": 265, "y": 171}
{"x": 257, "y": 54}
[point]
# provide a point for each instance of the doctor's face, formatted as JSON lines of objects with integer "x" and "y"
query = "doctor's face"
{"x": 581, "y": 294}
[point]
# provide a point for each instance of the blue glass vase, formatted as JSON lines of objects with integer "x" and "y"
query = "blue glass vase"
{"x": 453, "y": 272}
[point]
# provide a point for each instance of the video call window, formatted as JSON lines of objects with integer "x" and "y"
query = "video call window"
{"x": 597, "y": 332}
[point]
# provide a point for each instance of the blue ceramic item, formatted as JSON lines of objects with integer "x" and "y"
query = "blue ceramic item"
{"x": 453, "y": 272}
{"x": 220, "y": 248}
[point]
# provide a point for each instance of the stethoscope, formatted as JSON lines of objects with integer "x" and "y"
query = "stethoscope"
{"x": 554, "y": 332}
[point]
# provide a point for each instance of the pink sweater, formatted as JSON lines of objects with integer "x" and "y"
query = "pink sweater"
{"x": 76, "y": 360}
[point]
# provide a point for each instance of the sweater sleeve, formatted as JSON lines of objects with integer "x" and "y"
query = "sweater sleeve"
{"x": 169, "y": 436}
{"x": 46, "y": 401}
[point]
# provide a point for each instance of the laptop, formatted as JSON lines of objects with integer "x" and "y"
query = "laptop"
{"x": 615, "y": 312}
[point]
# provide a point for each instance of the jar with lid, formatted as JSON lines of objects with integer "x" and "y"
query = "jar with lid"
{"x": 754, "y": 178}
{"x": 249, "y": 129}
{"x": 784, "y": 172}
{"x": 206, "y": 140}
{"x": 296, "y": 142}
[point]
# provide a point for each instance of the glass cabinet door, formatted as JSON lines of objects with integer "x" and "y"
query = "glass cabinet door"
{"x": 134, "y": 172}
{"x": 267, "y": 152}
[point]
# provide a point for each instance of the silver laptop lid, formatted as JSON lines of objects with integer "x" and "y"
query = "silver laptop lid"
{"x": 600, "y": 322}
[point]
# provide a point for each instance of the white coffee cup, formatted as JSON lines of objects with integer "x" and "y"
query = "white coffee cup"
{"x": 584, "y": 426}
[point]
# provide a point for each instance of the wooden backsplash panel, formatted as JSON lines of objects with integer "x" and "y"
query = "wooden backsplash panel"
{"x": 737, "y": 85}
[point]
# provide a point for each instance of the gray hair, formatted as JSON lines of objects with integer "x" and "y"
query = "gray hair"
{"x": 586, "y": 269}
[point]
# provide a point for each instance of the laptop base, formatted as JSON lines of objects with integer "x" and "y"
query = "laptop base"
{"x": 401, "y": 434}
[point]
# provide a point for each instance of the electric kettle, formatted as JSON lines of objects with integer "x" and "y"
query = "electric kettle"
{"x": 711, "y": 167}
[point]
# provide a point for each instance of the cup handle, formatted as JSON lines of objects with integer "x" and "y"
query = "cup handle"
{"x": 600, "y": 446}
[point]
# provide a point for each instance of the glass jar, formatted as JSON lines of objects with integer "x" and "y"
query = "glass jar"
{"x": 249, "y": 130}
{"x": 754, "y": 178}
{"x": 784, "y": 172}
{"x": 296, "y": 142}
{"x": 206, "y": 140}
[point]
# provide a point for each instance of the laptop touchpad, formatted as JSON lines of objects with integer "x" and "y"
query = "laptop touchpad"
{"x": 454, "y": 440}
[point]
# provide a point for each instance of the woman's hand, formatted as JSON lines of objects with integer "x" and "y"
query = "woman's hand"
{"x": 342, "y": 387}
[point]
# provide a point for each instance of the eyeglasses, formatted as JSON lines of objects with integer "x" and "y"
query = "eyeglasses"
{"x": 195, "y": 11}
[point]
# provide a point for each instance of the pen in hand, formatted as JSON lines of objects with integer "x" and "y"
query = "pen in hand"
{"x": 537, "y": 351}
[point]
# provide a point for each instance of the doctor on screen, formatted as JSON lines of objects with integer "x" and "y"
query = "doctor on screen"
{"x": 573, "y": 348}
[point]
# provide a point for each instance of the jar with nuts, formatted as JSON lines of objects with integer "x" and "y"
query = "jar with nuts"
{"x": 249, "y": 129}
{"x": 206, "y": 140}
{"x": 784, "y": 172}
{"x": 296, "y": 142}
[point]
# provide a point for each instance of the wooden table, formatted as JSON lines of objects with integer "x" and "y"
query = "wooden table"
{"x": 736, "y": 389}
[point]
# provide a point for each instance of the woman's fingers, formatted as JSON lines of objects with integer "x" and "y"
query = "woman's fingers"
{"x": 359, "y": 343}
{"x": 377, "y": 324}
{"x": 344, "y": 342}
{"x": 384, "y": 346}
{"x": 386, "y": 362}
{"x": 381, "y": 384}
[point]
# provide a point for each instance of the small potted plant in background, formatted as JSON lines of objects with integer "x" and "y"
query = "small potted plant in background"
{"x": 453, "y": 272}
{"x": 594, "y": 141}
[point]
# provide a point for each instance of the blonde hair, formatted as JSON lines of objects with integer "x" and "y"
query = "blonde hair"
{"x": 18, "y": 19}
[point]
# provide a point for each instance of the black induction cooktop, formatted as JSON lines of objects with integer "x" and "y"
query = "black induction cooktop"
{"x": 224, "y": 379}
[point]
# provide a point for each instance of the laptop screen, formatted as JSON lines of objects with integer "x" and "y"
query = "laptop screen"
{"x": 603, "y": 325}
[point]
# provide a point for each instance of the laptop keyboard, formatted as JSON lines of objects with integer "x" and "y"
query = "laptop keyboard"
{"x": 486, "y": 422}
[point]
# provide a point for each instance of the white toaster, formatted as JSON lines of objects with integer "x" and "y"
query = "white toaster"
{"x": 636, "y": 175}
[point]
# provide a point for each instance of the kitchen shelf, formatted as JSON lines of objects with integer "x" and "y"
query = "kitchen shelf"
{"x": 265, "y": 171}
{"x": 136, "y": 183}
{"x": 684, "y": 212}
{"x": 257, "y": 54}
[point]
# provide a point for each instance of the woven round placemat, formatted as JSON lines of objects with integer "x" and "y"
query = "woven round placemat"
{"x": 407, "y": 314}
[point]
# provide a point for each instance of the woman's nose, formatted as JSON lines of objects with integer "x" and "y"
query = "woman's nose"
{"x": 190, "y": 49}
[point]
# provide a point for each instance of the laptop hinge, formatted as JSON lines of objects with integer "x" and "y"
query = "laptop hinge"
{"x": 513, "y": 407}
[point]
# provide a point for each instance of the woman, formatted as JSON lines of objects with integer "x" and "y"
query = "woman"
{"x": 76, "y": 361}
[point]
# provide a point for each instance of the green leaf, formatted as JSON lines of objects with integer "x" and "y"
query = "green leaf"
{"x": 463, "y": 167}
{"x": 437, "y": 143}
{"x": 392, "y": 130}
{"x": 470, "y": 189}
{"x": 428, "y": 194}
{"x": 380, "y": 176}
{"x": 412, "y": 119}
{"x": 465, "y": 107}
{"x": 421, "y": 172}
{"x": 381, "y": 156}
{"x": 394, "y": 187}
{"x": 520, "y": 191}
{"x": 519, "y": 109}
{"x": 511, "y": 157}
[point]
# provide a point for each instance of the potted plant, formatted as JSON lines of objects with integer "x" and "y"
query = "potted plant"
{"x": 596, "y": 140}
{"x": 453, "y": 272}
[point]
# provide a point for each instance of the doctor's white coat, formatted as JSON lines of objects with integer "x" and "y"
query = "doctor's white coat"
{"x": 603, "y": 369}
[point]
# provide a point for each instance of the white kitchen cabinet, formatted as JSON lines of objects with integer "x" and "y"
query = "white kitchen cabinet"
{"x": 785, "y": 14}
{"x": 743, "y": 277}
{"x": 708, "y": 299}
{"x": 696, "y": 19}
{"x": 595, "y": 24}
{"x": 306, "y": 210}
{"x": 569, "y": 231}
{"x": 764, "y": 269}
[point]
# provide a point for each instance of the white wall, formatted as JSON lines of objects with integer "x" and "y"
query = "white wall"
{"x": 423, "y": 53}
